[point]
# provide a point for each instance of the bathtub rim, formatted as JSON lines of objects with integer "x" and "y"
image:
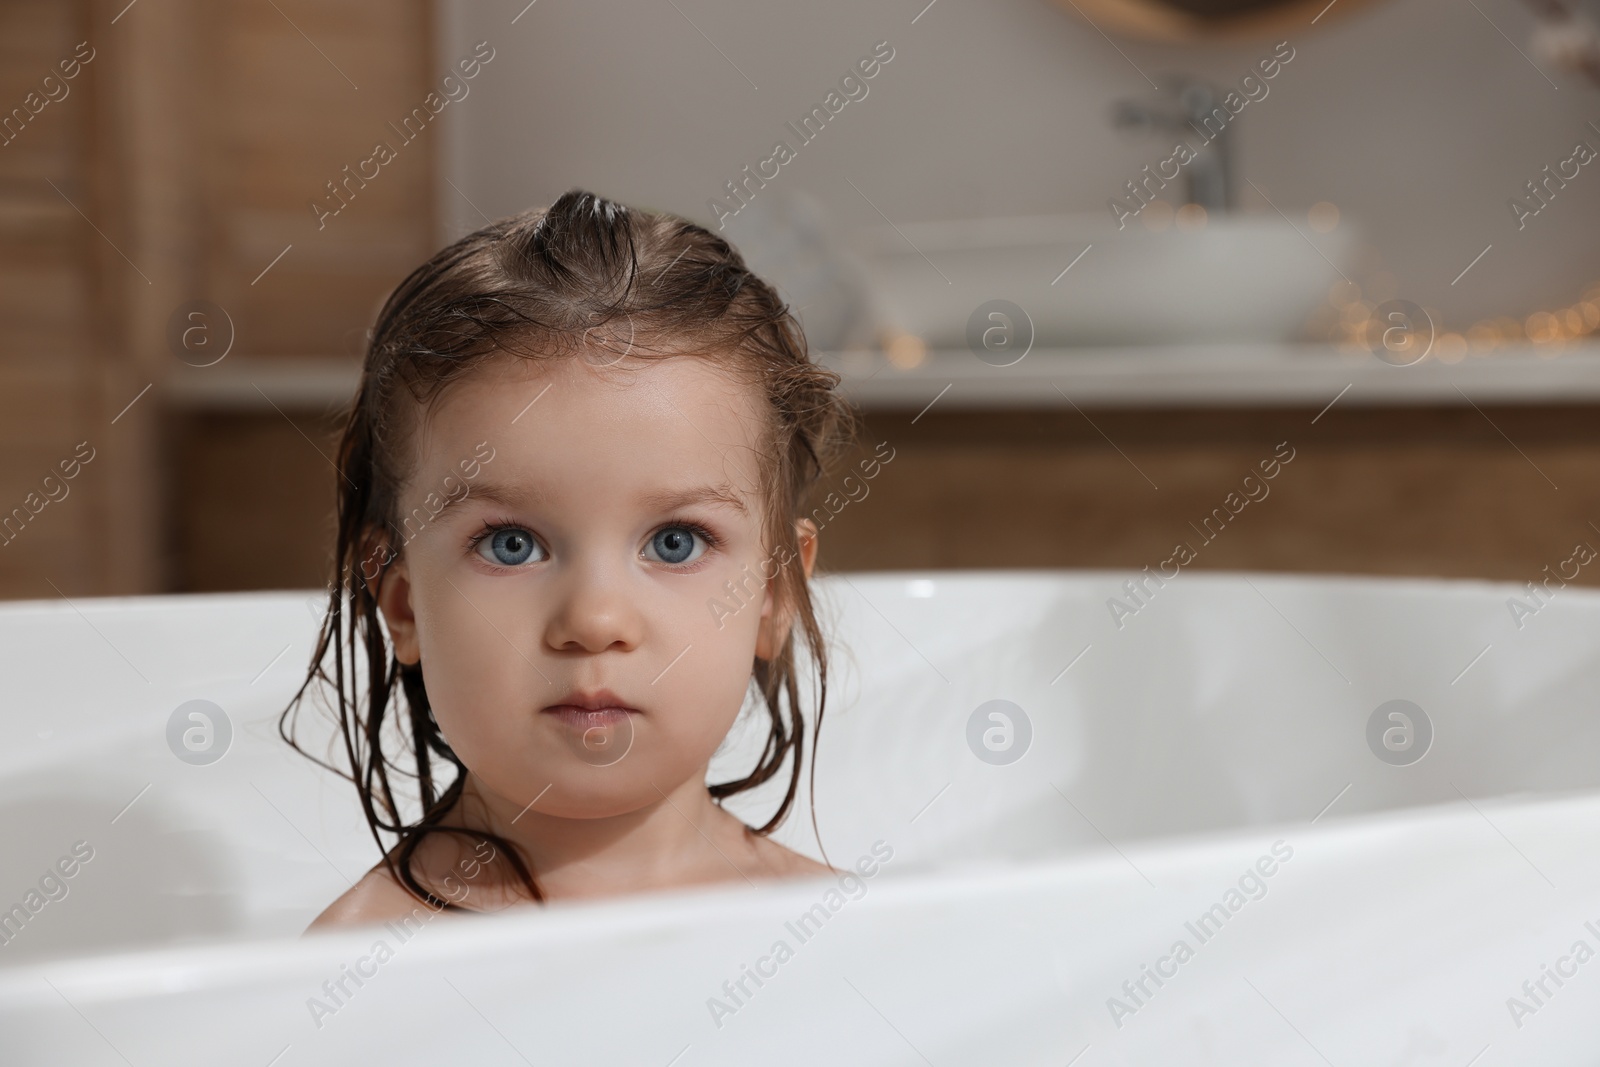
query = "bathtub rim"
{"x": 235, "y": 963}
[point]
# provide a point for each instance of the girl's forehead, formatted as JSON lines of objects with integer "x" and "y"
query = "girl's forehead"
{"x": 568, "y": 412}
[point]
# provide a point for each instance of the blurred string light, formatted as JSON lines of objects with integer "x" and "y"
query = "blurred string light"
{"x": 1323, "y": 216}
{"x": 906, "y": 351}
{"x": 1549, "y": 331}
{"x": 1191, "y": 217}
{"x": 1347, "y": 316}
{"x": 1158, "y": 215}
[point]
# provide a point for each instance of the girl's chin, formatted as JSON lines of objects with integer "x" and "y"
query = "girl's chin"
{"x": 566, "y": 785}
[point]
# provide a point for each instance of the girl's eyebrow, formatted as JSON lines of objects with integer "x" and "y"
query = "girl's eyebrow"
{"x": 673, "y": 499}
{"x": 505, "y": 496}
{"x": 661, "y": 500}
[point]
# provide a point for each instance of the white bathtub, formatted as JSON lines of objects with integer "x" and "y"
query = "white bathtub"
{"x": 1167, "y": 759}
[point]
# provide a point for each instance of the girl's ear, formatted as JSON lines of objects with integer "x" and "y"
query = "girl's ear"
{"x": 775, "y": 625}
{"x": 391, "y": 588}
{"x": 806, "y": 532}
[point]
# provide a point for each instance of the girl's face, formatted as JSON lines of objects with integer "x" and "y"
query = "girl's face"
{"x": 592, "y": 521}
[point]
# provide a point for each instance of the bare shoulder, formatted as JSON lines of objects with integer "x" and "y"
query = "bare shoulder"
{"x": 784, "y": 862}
{"x": 376, "y": 898}
{"x": 443, "y": 864}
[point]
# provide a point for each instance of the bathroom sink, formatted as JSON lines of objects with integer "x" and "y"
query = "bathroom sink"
{"x": 1246, "y": 278}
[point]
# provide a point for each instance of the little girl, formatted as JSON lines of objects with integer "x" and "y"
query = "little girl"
{"x": 572, "y": 485}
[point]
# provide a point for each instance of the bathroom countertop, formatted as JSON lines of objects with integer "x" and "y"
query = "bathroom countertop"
{"x": 1220, "y": 376}
{"x": 1200, "y": 376}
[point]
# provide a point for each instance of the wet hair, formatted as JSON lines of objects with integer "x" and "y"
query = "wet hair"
{"x": 549, "y": 284}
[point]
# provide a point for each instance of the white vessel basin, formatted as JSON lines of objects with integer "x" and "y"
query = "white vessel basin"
{"x": 1246, "y": 278}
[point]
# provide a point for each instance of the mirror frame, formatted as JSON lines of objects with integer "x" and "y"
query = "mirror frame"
{"x": 1152, "y": 20}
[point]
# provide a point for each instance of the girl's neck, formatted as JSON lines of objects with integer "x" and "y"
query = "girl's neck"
{"x": 666, "y": 843}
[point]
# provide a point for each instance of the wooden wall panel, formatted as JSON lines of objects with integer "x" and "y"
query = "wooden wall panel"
{"x": 191, "y": 146}
{"x": 48, "y": 296}
{"x": 253, "y": 501}
{"x": 281, "y": 122}
{"x": 259, "y": 501}
{"x": 1399, "y": 491}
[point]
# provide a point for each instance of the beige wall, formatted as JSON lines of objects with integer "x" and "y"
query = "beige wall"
{"x": 1417, "y": 117}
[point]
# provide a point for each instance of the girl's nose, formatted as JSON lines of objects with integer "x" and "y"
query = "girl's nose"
{"x": 594, "y": 613}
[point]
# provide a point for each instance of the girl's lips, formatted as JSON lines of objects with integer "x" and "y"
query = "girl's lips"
{"x": 598, "y": 736}
{"x": 588, "y": 718}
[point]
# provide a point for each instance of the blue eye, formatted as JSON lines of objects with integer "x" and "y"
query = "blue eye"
{"x": 676, "y": 544}
{"x": 509, "y": 547}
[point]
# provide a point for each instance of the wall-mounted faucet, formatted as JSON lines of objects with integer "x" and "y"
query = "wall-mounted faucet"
{"x": 1189, "y": 108}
